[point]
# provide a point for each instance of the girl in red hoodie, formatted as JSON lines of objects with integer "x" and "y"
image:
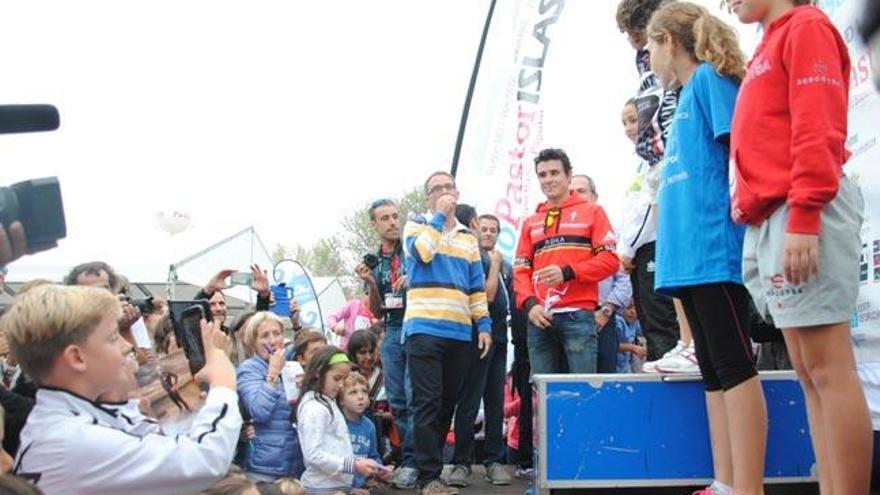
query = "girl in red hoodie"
{"x": 802, "y": 247}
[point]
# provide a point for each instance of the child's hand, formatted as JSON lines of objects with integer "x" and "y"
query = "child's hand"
{"x": 365, "y": 467}
{"x": 641, "y": 352}
{"x": 385, "y": 472}
{"x": 800, "y": 257}
{"x": 339, "y": 328}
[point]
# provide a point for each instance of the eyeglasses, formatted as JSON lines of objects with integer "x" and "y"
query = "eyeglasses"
{"x": 448, "y": 187}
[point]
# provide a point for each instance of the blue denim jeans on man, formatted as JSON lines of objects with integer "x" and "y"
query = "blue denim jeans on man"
{"x": 568, "y": 345}
{"x": 398, "y": 388}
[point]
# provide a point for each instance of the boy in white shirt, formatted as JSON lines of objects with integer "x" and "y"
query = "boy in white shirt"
{"x": 67, "y": 339}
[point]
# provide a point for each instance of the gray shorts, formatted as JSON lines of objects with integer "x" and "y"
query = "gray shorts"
{"x": 826, "y": 299}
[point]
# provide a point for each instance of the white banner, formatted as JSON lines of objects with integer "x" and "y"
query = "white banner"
{"x": 554, "y": 74}
{"x": 864, "y": 117}
{"x": 505, "y": 130}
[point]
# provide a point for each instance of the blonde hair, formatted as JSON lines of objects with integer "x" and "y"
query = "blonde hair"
{"x": 290, "y": 486}
{"x": 249, "y": 338}
{"x": 45, "y": 320}
{"x": 353, "y": 379}
{"x": 702, "y": 35}
{"x": 30, "y": 284}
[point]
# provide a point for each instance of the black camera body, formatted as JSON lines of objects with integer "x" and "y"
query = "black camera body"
{"x": 146, "y": 306}
{"x": 37, "y": 204}
{"x": 371, "y": 260}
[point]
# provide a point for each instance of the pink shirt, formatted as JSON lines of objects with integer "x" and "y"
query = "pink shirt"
{"x": 356, "y": 317}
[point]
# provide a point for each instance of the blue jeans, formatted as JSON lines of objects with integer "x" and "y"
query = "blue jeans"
{"x": 568, "y": 345}
{"x": 398, "y": 388}
{"x": 609, "y": 343}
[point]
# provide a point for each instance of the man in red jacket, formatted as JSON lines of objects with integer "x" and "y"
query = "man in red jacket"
{"x": 564, "y": 250}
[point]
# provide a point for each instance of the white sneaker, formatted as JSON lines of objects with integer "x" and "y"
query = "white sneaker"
{"x": 651, "y": 366}
{"x": 683, "y": 362}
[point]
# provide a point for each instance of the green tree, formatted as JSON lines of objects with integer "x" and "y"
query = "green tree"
{"x": 337, "y": 256}
{"x": 279, "y": 253}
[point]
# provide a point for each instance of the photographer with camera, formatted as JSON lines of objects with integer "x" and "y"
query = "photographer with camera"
{"x": 99, "y": 274}
{"x": 384, "y": 275}
{"x": 213, "y": 293}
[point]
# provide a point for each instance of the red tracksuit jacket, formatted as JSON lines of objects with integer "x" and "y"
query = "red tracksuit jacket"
{"x": 790, "y": 123}
{"x": 578, "y": 238}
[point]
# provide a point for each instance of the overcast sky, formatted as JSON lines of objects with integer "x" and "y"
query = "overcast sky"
{"x": 284, "y": 115}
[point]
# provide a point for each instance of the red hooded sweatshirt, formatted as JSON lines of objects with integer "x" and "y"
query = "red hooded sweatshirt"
{"x": 577, "y": 237}
{"x": 790, "y": 123}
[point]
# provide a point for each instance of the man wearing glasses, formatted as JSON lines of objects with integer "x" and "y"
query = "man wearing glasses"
{"x": 564, "y": 250}
{"x": 386, "y": 285}
{"x": 446, "y": 297}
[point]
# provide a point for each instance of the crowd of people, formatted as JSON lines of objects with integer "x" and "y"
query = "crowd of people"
{"x": 695, "y": 278}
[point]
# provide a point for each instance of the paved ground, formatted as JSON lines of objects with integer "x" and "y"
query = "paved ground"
{"x": 479, "y": 486}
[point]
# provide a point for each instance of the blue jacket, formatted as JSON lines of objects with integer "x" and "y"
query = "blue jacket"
{"x": 275, "y": 449}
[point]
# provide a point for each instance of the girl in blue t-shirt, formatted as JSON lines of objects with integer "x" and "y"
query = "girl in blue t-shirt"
{"x": 699, "y": 248}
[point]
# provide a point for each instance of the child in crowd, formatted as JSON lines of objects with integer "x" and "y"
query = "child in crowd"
{"x": 647, "y": 121}
{"x": 290, "y": 486}
{"x": 305, "y": 345}
{"x": 67, "y": 339}
{"x": 631, "y": 353}
{"x": 352, "y": 316}
{"x": 512, "y": 406}
{"x": 323, "y": 433}
{"x": 363, "y": 351}
{"x": 354, "y": 402}
{"x": 699, "y": 248}
{"x": 804, "y": 216}
{"x": 234, "y": 483}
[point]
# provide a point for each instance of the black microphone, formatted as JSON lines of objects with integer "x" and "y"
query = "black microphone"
{"x": 28, "y": 118}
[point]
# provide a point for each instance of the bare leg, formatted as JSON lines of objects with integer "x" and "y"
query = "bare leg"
{"x": 828, "y": 362}
{"x": 683, "y": 324}
{"x": 814, "y": 412}
{"x": 747, "y": 427}
{"x": 722, "y": 462}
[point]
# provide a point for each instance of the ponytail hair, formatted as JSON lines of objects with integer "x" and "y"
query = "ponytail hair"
{"x": 704, "y": 36}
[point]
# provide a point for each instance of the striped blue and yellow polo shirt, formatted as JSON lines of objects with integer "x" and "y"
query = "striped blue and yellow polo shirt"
{"x": 447, "y": 287}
